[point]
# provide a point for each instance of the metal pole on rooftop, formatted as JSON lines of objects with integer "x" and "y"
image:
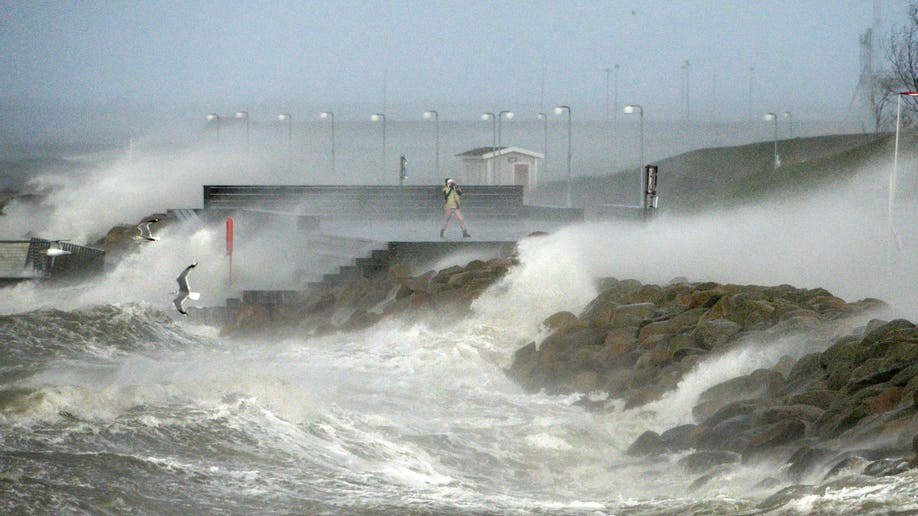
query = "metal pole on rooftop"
{"x": 503, "y": 114}
{"x": 558, "y": 111}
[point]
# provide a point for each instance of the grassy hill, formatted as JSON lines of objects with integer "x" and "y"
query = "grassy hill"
{"x": 724, "y": 176}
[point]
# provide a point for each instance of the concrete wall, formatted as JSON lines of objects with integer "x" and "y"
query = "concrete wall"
{"x": 365, "y": 202}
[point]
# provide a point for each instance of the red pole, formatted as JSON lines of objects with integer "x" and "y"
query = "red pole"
{"x": 229, "y": 246}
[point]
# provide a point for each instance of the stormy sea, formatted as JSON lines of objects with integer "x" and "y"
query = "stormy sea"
{"x": 111, "y": 403}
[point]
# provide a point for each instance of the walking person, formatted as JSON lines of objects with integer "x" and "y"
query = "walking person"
{"x": 452, "y": 193}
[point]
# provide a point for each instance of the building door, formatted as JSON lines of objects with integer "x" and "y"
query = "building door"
{"x": 521, "y": 175}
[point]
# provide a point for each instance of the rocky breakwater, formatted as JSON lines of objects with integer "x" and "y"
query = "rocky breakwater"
{"x": 362, "y": 302}
{"x": 847, "y": 404}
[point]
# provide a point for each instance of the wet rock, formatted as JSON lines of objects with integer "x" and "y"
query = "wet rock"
{"x": 853, "y": 465}
{"x": 682, "y": 437}
{"x": 886, "y": 467}
{"x": 820, "y": 398}
{"x": 805, "y": 460}
{"x": 560, "y": 321}
{"x": 648, "y": 443}
{"x": 703, "y": 461}
{"x": 789, "y": 494}
{"x": 714, "y": 333}
{"x": 776, "y": 434}
{"x": 724, "y": 435}
{"x": 773, "y": 414}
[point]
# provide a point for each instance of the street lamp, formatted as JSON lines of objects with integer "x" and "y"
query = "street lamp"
{"x": 493, "y": 118}
{"x": 630, "y": 109}
{"x": 331, "y": 117}
{"x": 289, "y": 119}
{"x": 774, "y": 117}
{"x": 558, "y": 111}
{"x": 892, "y": 185}
{"x": 244, "y": 115}
{"x": 544, "y": 118}
{"x": 501, "y": 115}
{"x": 790, "y": 123}
{"x": 615, "y": 93}
{"x": 436, "y": 117}
{"x": 215, "y": 119}
{"x": 376, "y": 118}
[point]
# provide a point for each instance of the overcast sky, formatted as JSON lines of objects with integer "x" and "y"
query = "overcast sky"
{"x": 802, "y": 52}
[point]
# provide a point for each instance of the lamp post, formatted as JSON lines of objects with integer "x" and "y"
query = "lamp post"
{"x": 376, "y": 118}
{"x": 501, "y": 115}
{"x": 215, "y": 119}
{"x": 790, "y": 123}
{"x": 245, "y": 116}
{"x": 608, "y": 113}
{"x": 331, "y": 117}
{"x": 615, "y": 93}
{"x": 544, "y": 118}
{"x": 431, "y": 113}
{"x": 493, "y": 118}
{"x": 774, "y": 117}
{"x": 558, "y": 111}
{"x": 289, "y": 119}
{"x": 892, "y": 187}
{"x": 630, "y": 109}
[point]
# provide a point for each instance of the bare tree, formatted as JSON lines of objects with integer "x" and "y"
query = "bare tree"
{"x": 880, "y": 97}
{"x": 903, "y": 58}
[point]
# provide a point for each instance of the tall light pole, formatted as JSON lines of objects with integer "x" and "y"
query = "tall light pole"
{"x": 501, "y": 115}
{"x": 615, "y": 93}
{"x": 630, "y": 109}
{"x": 608, "y": 113}
{"x": 558, "y": 111}
{"x": 892, "y": 188}
{"x": 245, "y": 116}
{"x": 493, "y": 118}
{"x": 774, "y": 117}
{"x": 751, "y": 80}
{"x": 376, "y": 118}
{"x": 544, "y": 118}
{"x": 330, "y": 115}
{"x": 289, "y": 119}
{"x": 215, "y": 119}
{"x": 431, "y": 113}
{"x": 790, "y": 123}
{"x": 688, "y": 69}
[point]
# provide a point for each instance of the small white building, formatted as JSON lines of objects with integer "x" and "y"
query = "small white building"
{"x": 501, "y": 166}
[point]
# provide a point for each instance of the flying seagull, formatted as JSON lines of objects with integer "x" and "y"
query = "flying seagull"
{"x": 55, "y": 249}
{"x": 145, "y": 232}
{"x": 184, "y": 291}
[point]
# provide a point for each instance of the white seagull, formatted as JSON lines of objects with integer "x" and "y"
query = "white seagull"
{"x": 145, "y": 232}
{"x": 55, "y": 249}
{"x": 184, "y": 291}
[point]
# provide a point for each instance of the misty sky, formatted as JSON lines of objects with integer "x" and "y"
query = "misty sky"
{"x": 804, "y": 52}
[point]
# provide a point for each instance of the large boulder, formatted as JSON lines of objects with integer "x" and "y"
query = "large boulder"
{"x": 648, "y": 443}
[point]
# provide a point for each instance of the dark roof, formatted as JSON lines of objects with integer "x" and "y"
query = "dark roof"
{"x": 479, "y": 151}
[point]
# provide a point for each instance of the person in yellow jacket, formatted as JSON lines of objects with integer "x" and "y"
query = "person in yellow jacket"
{"x": 452, "y": 194}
